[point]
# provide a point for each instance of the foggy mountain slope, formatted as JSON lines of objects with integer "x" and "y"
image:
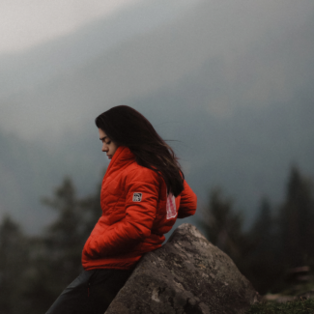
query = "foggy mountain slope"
{"x": 240, "y": 107}
{"x": 24, "y": 171}
{"x": 219, "y": 154}
{"x": 30, "y": 171}
{"x": 20, "y": 71}
{"x": 212, "y": 152}
{"x": 247, "y": 151}
{"x": 162, "y": 57}
{"x": 248, "y": 154}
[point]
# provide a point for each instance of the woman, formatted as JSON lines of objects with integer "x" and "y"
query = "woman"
{"x": 143, "y": 193}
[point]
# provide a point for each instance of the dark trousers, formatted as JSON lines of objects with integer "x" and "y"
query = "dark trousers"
{"x": 91, "y": 292}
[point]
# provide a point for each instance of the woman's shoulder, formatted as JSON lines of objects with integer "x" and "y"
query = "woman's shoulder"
{"x": 141, "y": 173}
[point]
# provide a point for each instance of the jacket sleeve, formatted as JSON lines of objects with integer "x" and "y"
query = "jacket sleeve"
{"x": 142, "y": 192}
{"x": 188, "y": 202}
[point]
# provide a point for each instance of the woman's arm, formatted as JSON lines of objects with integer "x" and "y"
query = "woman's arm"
{"x": 142, "y": 192}
{"x": 188, "y": 202}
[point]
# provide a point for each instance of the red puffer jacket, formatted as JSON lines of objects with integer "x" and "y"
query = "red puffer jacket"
{"x": 136, "y": 213}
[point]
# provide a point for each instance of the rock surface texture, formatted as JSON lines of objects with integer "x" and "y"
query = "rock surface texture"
{"x": 187, "y": 275}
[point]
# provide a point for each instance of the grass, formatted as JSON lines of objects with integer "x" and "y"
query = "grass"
{"x": 293, "y": 307}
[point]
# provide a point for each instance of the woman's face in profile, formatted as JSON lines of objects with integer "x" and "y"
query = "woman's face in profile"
{"x": 108, "y": 146}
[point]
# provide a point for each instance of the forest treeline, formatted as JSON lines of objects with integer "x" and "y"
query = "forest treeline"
{"x": 35, "y": 269}
{"x": 280, "y": 240}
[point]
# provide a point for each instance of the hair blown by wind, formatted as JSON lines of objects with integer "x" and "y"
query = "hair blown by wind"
{"x": 127, "y": 127}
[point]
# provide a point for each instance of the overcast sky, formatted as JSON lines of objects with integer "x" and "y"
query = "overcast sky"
{"x": 24, "y": 23}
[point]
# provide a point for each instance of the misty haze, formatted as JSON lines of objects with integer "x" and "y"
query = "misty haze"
{"x": 230, "y": 82}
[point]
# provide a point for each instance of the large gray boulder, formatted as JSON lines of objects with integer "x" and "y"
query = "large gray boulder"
{"x": 187, "y": 275}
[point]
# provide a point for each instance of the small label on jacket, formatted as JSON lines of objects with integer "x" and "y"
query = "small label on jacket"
{"x": 171, "y": 206}
{"x": 137, "y": 197}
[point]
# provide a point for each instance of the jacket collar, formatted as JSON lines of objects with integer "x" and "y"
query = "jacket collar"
{"x": 122, "y": 157}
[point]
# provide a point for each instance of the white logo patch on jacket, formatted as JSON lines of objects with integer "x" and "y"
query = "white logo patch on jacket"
{"x": 137, "y": 197}
{"x": 171, "y": 206}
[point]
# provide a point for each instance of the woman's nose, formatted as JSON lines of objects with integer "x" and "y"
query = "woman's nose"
{"x": 104, "y": 148}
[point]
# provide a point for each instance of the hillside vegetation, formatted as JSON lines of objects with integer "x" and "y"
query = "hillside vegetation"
{"x": 279, "y": 240}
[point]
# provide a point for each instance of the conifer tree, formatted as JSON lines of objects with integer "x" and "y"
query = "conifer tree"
{"x": 296, "y": 220}
{"x": 65, "y": 237}
{"x": 262, "y": 265}
{"x": 13, "y": 265}
{"x": 263, "y": 229}
{"x": 35, "y": 269}
{"x": 223, "y": 226}
{"x": 56, "y": 256}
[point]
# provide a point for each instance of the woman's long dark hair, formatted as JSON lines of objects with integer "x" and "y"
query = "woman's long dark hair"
{"x": 127, "y": 127}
